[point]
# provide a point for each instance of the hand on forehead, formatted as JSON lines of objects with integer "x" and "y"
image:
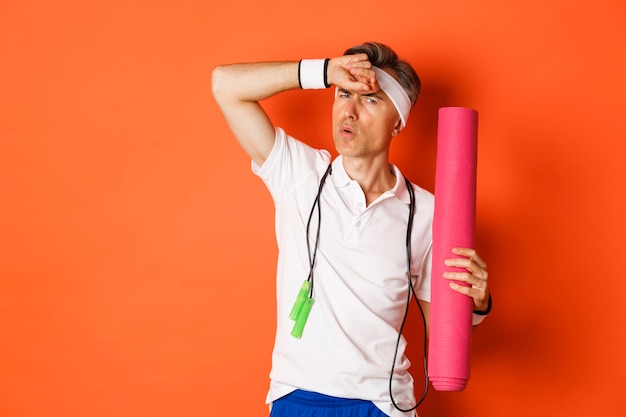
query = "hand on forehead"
{"x": 364, "y": 78}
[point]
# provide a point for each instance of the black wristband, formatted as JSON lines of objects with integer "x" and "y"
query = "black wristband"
{"x": 484, "y": 313}
{"x": 326, "y": 61}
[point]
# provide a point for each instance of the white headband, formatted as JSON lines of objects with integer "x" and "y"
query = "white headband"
{"x": 395, "y": 92}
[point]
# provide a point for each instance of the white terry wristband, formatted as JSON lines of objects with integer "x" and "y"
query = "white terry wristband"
{"x": 312, "y": 73}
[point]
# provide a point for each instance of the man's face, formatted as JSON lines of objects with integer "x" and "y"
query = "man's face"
{"x": 363, "y": 124}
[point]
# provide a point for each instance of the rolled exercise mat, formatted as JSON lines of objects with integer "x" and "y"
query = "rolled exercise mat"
{"x": 453, "y": 226}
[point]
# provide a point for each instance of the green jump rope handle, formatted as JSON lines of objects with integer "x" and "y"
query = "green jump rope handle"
{"x": 303, "y": 315}
{"x": 302, "y": 295}
{"x": 301, "y": 309}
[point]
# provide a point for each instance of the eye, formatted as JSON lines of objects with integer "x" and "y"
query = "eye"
{"x": 370, "y": 100}
{"x": 343, "y": 94}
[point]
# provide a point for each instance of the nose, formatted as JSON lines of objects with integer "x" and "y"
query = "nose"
{"x": 351, "y": 109}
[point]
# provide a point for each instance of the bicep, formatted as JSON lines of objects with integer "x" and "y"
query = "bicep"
{"x": 239, "y": 88}
{"x": 252, "y": 128}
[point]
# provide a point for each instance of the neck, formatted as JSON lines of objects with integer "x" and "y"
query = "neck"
{"x": 374, "y": 176}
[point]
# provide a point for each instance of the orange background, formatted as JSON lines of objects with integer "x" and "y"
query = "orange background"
{"x": 137, "y": 252}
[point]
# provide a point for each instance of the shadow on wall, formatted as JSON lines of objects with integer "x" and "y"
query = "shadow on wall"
{"x": 540, "y": 330}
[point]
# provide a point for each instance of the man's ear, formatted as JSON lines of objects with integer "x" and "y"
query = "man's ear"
{"x": 397, "y": 128}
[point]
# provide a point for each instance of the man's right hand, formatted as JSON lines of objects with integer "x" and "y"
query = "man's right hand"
{"x": 352, "y": 73}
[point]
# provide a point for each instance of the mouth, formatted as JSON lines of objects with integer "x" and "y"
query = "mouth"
{"x": 347, "y": 131}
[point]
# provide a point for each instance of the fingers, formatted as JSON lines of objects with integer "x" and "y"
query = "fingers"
{"x": 471, "y": 279}
{"x": 360, "y": 69}
{"x": 353, "y": 73}
{"x": 471, "y": 254}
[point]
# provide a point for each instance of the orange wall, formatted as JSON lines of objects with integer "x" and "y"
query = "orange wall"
{"x": 137, "y": 250}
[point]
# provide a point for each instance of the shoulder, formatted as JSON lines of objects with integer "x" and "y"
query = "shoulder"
{"x": 422, "y": 195}
{"x": 291, "y": 153}
{"x": 424, "y": 199}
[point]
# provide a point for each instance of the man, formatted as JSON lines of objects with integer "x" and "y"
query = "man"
{"x": 341, "y": 228}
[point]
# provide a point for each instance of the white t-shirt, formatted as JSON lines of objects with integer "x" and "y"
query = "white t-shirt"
{"x": 360, "y": 278}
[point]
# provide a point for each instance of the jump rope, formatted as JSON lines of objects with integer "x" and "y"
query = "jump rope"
{"x": 304, "y": 301}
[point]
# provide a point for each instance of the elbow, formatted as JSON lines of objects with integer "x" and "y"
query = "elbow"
{"x": 217, "y": 81}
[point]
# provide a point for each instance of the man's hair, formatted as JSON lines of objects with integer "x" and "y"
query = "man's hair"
{"x": 382, "y": 56}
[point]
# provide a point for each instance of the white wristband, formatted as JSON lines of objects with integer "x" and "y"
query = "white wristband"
{"x": 312, "y": 73}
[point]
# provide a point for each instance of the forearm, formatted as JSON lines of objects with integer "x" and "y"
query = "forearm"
{"x": 252, "y": 82}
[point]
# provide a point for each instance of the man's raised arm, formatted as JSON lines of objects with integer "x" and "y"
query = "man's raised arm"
{"x": 238, "y": 88}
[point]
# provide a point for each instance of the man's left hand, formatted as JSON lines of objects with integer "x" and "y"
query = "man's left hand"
{"x": 474, "y": 277}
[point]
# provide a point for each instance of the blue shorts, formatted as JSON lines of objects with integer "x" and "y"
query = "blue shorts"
{"x": 310, "y": 404}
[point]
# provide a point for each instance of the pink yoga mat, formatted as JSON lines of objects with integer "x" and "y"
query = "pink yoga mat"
{"x": 453, "y": 226}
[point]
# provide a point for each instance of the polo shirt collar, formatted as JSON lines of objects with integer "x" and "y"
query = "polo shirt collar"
{"x": 340, "y": 178}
